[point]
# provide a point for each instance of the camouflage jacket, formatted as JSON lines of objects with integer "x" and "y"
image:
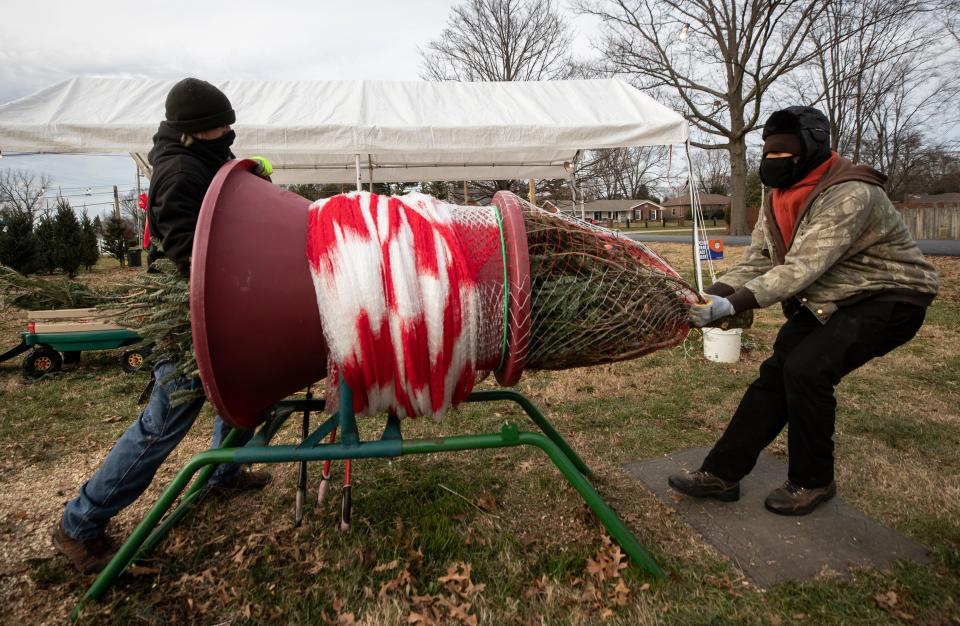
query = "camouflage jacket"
{"x": 850, "y": 244}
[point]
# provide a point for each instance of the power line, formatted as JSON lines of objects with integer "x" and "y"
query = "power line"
{"x": 86, "y": 195}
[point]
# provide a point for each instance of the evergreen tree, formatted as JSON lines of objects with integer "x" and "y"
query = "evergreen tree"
{"x": 18, "y": 246}
{"x": 115, "y": 238}
{"x": 67, "y": 250}
{"x": 88, "y": 237}
{"x": 45, "y": 235}
{"x": 436, "y": 188}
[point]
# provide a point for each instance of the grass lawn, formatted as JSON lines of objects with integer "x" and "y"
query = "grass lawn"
{"x": 495, "y": 537}
{"x": 637, "y": 226}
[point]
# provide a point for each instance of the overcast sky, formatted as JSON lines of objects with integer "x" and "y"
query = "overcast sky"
{"x": 44, "y": 42}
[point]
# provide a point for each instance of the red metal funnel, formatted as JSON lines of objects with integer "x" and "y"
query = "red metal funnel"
{"x": 256, "y": 327}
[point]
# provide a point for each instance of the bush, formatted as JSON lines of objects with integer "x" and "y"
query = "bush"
{"x": 114, "y": 238}
{"x": 18, "y": 246}
{"x": 45, "y": 236}
{"x": 67, "y": 250}
{"x": 90, "y": 251}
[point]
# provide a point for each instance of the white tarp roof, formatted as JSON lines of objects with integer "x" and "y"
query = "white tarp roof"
{"x": 407, "y": 131}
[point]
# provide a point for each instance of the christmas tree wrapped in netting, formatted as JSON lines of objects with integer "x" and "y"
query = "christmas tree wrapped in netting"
{"x": 414, "y": 301}
{"x": 597, "y": 297}
{"x": 419, "y": 298}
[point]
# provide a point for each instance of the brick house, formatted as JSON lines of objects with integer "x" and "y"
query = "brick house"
{"x": 710, "y": 203}
{"x": 610, "y": 210}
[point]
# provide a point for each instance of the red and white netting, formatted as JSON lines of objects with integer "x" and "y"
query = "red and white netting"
{"x": 416, "y": 305}
{"x": 410, "y": 293}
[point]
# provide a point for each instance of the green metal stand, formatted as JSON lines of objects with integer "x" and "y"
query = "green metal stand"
{"x": 154, "y": 528}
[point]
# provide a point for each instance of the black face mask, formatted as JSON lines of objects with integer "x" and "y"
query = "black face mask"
{"x": 223, "y": 142}
{"x": 780, "y": 173}
{"x": 216, "y": 149}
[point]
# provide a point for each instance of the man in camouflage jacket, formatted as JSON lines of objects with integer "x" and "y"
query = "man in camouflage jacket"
{"x": 832, "y": 250}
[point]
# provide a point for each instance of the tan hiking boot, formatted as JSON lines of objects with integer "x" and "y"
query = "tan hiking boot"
{"x": 703, "y": 484}
{"x": 89, "y": 556}
{"x": 246, "y": 480}
{"x": 793, "y": 499}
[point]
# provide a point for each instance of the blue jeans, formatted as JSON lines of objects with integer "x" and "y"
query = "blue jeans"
{"x": 132, "y": 463}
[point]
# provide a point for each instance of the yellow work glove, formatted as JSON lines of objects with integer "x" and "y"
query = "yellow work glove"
{"x": 264, "y": 168}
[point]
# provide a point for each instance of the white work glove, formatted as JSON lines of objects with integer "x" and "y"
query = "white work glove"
{"x": 713, "y": 309}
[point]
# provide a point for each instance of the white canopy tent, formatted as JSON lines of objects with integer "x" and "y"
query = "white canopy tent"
{"x": 318, "y": 131}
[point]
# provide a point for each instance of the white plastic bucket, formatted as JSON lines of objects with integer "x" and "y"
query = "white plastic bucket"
{"x": 722, "y": 346}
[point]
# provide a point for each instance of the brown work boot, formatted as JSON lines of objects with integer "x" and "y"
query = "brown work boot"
{"x": 89, "y": 556}
{"x": 793, "y": 499}
{"x": 703, "y": 484}
{"x": 246, "y": 480}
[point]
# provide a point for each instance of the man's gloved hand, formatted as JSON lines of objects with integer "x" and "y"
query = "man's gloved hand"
{"x": 715, "y": 307}
{"x": 264, "y": 168}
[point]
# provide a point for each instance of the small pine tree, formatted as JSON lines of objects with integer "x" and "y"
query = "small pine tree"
{"x": 45, "y": 235}
{"x": 114, "y": 238}
{"x": 18, "y": 246}
{"x": 88, "y": 237}
{"x": 437, "y": 188}
{"x": 67, "y": 244}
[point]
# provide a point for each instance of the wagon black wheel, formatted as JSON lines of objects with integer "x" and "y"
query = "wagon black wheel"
{"x": 132, "y": 360}
{"x": 42, "y": 361}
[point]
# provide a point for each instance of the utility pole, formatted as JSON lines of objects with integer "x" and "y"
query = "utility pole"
{"x": 116, "y": 202}
{"x": 466, "y": 194}
{"x": 532, "y": 193}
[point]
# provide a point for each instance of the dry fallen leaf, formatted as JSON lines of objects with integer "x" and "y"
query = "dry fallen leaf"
{"x": 387, "y": 566}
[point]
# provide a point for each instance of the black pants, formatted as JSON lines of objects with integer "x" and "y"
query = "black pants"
{"x": 796, "y": 384}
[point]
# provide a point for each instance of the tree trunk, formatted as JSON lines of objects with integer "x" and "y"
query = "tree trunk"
{"x": 738, "y": 186}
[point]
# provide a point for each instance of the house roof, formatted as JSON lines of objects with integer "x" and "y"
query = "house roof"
{"x": 599, "y": 205}
{"x": 706, "y": 199}
{"x": 613, "y": 205}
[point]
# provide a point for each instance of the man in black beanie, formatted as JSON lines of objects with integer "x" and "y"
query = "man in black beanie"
{"x": 832, "y": 250}
{"x": 188, "y": 149}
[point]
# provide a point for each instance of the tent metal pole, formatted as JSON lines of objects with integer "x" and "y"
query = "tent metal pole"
{"x": 698, "y": 270}
{"x": 571, "y": 168}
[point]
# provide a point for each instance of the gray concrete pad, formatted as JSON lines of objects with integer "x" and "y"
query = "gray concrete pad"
{"x": 770, "y": 548}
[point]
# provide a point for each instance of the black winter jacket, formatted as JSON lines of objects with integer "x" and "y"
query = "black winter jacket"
{"x": 181, "y": 175}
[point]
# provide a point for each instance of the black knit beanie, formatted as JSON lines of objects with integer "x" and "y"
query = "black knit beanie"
{"x": 803, "y": 131}
{"x": 194, "y": 105}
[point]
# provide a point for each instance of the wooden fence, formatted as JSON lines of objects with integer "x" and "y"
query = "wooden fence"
{"x": 940, "y": 221}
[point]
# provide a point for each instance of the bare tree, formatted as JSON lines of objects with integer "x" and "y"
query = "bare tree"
{"x": 22, "y": 192}
{"x": 850, "y": 78}
{"x": 132, "y": 214}
{"x": 715, "y": 59}
{"x": 713, "y": 171}
{"x": 920, "y": 101}
{"x": 889, "y": 92}
{"x": 952, "y": 22}
{"x": 500, "y": 40}
{"x": 496, "y": 41}
{"x": 621, "y": 173}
